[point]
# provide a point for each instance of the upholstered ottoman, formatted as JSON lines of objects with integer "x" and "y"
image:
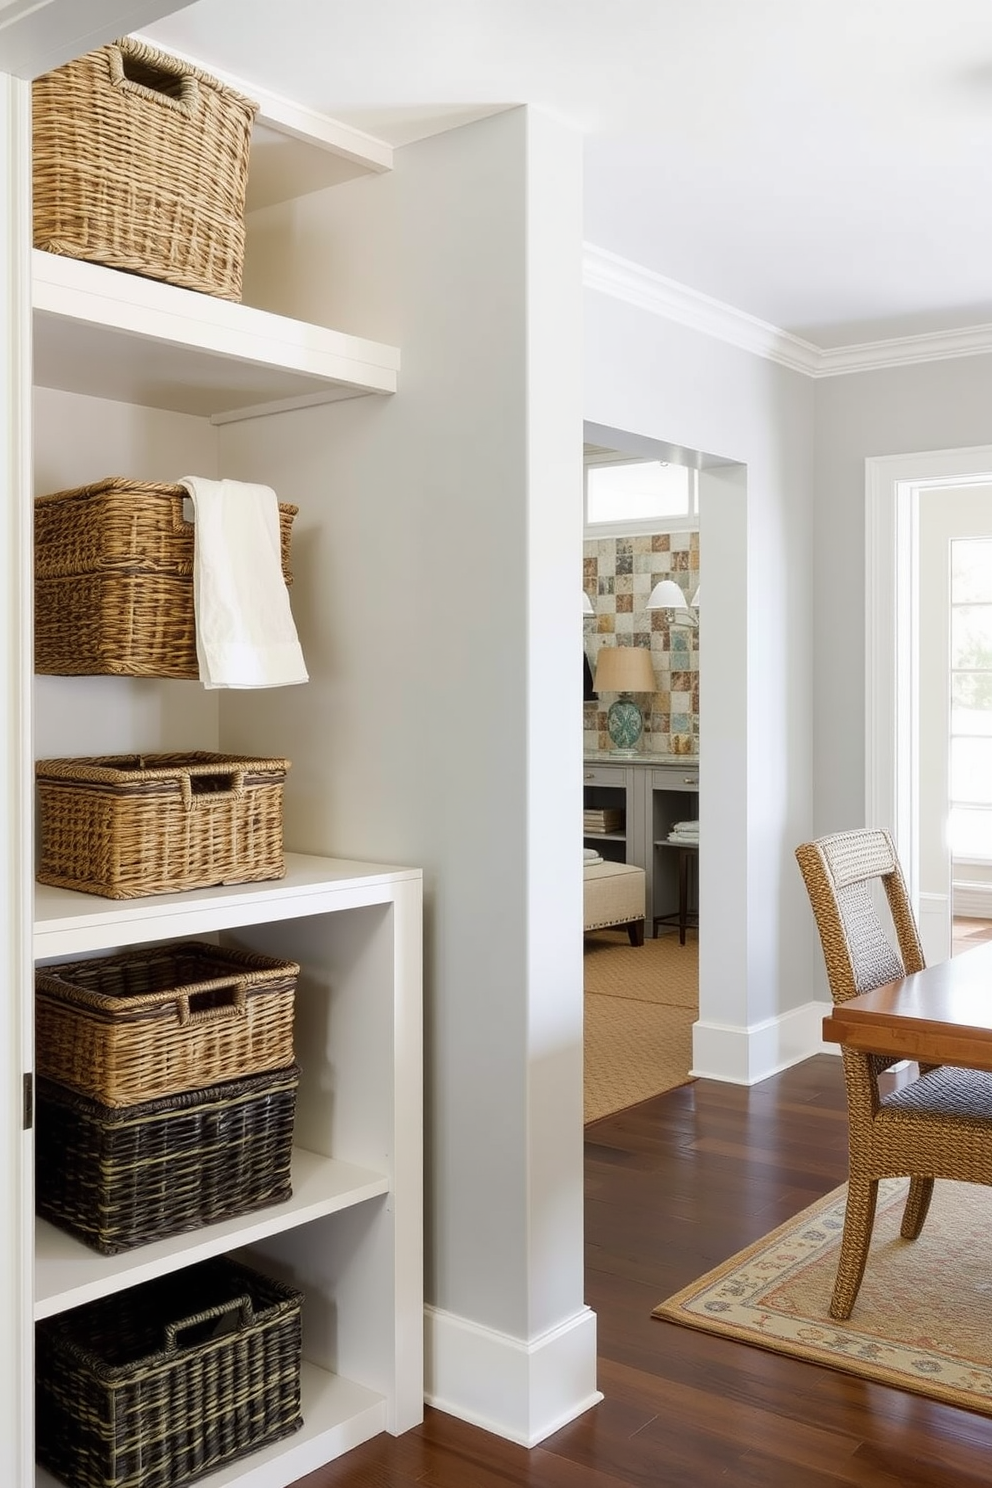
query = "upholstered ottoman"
{"x": 613, "y": 895}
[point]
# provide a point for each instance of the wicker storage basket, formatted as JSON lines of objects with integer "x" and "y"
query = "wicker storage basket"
{"x": 165, "y": 1382}
{"x": 124, "y": 826}
{"x": 162, "y": 1019}
{"x": 141, "y": 163}
{"x": 117, "y": 1177}
{"x": 113, "y": 566}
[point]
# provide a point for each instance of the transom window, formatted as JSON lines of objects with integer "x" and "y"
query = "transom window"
{"x": 637, "y": 495}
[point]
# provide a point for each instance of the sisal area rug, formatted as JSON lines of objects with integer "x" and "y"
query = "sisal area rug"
{"x": 640, "y": 1005}
{"x": 923, "y": 1318}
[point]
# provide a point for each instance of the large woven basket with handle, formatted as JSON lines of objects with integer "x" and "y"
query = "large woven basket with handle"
{"x": 113, "y": 586}
{"x": 124, "y": 826}
{"x": 156, "y": 1020}
{"x": 141, "y": 163}
{"x": 169, "y": 1380}
{"x": 120, "y": 1176}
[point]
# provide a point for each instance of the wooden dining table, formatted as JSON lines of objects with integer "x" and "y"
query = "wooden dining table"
{"x": 941, "y": 1015}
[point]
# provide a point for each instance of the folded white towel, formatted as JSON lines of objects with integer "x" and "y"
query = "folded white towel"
{"x": 245, "y": 635}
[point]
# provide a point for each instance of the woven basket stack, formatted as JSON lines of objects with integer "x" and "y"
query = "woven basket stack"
{"x": 166, "y": 1097}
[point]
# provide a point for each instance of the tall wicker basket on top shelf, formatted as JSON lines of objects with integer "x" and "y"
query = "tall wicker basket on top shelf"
{"x": 141, "y": 163}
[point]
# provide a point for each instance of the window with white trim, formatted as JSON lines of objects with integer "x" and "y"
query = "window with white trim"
{"x": 625, "y": 494}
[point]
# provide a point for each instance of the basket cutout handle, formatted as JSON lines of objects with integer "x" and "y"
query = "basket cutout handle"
{"x": 210, "y": 1002}
{"x": 149, "y": 75}
{"x": 206, "y": 786}
{"x": 211, "y": 1323}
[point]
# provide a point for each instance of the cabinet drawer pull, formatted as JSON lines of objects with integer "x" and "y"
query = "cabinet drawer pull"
{"x": 690, "y": 779}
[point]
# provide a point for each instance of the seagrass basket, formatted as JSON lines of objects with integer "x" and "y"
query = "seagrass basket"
{"x": 167, "y": 1381}
{"x": 120, "y": 1176}
{"x": 157, "y": 1020}
{"x": 113, "y": 571}
{"x": 141, "y": 163}
{"x": 125, "y": 826}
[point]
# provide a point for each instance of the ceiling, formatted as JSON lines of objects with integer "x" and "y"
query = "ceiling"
{"x": 821, "y": 165}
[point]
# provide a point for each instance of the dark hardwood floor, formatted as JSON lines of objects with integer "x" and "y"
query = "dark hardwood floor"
{"x": 673, "y": 1186}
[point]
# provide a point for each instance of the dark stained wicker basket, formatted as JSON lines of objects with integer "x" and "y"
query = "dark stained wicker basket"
{"x": 164, "y": 1383}
{"x": 113, "y": 580}
{"x": 124, "y": 826}
{"x": 141, "y": 163}
{"x": 116, "y": 1177}
{"x": 157, "y": 1020}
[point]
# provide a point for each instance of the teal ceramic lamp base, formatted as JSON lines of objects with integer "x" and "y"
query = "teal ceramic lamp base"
{"x": 624, "y": 725}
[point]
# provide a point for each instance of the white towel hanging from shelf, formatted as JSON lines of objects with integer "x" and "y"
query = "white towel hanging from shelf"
{"x": 245, "y": 634}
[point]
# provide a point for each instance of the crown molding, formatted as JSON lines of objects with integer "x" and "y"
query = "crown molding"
{"x": 906, "y": 351}
{"x": 610, "y": 274}
{"x": 624, "y": 280}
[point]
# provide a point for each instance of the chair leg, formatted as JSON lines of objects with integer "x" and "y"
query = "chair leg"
{"x": 917, "y": 1204}
{"x": 859, "y": 1217}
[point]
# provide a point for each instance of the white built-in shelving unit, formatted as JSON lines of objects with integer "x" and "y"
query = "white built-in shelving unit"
{"x": 351, "y": 1235}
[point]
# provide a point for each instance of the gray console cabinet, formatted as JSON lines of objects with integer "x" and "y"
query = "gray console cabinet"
{"x": 653, "y": 792}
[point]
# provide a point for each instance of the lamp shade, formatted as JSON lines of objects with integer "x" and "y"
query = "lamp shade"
{"x": 587, "y": 606}
{"x": 666, "y": 595}
{"x": 624, "y": 669}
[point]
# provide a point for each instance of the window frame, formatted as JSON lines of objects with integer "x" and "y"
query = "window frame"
{"x": 640, "y": 526}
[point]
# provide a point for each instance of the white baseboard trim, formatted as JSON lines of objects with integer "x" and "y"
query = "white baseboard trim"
{"x": 522, "y": 1391}
{"x": 743, "y": 1056}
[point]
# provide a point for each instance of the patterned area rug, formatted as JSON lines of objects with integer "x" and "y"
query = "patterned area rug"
{"x": 640, "y": 1005}
{"x": 923, "y": 1318}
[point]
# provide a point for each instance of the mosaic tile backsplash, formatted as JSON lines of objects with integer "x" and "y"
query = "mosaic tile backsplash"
{"x": 618, "y": 574}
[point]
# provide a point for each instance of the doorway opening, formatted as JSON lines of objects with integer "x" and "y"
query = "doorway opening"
{"x": 641, "y": 989}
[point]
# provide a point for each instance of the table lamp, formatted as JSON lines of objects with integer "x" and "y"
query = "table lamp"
{"x": 624, "y": 669}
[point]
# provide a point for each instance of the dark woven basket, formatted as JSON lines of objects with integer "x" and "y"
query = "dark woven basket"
{"x": 113, "y": 580}
{"x": 141, "y": 163}
{"x": 157, "y": 1020}
{"x": 124, "y": 826}
{"x": 120, "y": 1177}
{"x": 165, "y": 1382}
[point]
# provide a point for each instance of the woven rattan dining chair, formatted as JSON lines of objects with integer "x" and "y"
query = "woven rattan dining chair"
{"x": 938, "y": 1125}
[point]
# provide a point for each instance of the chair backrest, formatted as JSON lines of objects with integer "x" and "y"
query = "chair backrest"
{"x": 839, "y": 871}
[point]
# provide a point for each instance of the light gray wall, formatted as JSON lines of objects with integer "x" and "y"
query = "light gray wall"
{"x": 901, "y": 410}
{"x": 438, "y": 553}
{"x": 755, "y": 418}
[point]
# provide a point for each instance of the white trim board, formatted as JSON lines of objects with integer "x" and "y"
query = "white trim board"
{"x": 619, "y": 277}
{"x": 519, "y": 1389}
{"x": 743, "y": 1056}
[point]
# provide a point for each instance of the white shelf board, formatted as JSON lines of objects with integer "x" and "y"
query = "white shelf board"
{"x": 120, "y": 336}
{"x": 337, "y": 1416}
{"x": 67, "y": 1273}
{"x": 294, "y": 149}
{"x": 67, "y": 922}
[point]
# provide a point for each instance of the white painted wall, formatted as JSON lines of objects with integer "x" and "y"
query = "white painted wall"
{"x": 933, "y": 406}
{"x": 754, "y": 420}
{"x": 437, "y": 551}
